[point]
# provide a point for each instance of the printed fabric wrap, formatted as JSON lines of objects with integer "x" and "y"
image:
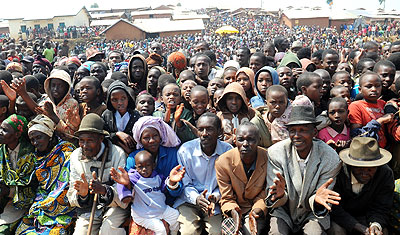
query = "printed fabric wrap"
{"x": 50, "y": 212}
{"x": 21, "y": 177}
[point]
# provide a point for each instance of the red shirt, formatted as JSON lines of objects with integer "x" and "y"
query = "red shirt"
{"x": 362, "y": 112}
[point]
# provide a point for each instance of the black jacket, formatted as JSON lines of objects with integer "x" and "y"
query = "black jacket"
{"x": 374, "y": 201}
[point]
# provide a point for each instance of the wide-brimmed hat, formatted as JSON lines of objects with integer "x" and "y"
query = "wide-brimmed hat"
{"x": 92, "y": 123}
{"x": 302, "y": 115}
{"x": 365, "y": 152}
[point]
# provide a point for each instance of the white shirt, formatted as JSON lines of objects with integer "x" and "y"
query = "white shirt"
{"x": 302, "y": 162}
{"x": 356, "y": 186}
{"x": 121, "y": 121}
{"x": 13, "y": 154}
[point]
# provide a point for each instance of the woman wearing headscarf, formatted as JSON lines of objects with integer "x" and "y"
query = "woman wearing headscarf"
{"x": 16, "y": 167}
{"x": 137, "y": 73}
{"x": 265, "y": 77}
{"x": 50, "y": 212}
{"x": 176, "y": 63}
{"x": 154, "y": 135}
{"x": 245, "y": 77}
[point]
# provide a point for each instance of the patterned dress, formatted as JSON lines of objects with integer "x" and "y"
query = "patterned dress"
{"x": 50, "y": 213}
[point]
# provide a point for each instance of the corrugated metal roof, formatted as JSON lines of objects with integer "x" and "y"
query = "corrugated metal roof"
{"x": 152, "y": 12}
{"x": 103, "y": 15}
{"x": 158, "y": 25}
{"x": 189, "y": 16}
{"x": 103, "y": 22}
{"x": 306, "y": 13}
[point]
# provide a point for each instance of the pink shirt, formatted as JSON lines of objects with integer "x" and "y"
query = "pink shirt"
{"x": 328, "y": 133}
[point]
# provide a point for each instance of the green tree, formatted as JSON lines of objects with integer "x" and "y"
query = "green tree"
{"x": 94, "y": 5}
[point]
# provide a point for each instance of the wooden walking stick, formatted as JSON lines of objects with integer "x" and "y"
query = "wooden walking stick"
{"x": 96, "y": 196}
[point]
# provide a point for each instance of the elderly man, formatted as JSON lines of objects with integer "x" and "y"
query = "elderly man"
{"x": 241, "y": 174}
{"x": 17, "y": 165}
{"x": 305, "y": 169}
{"x": 86, "y": 162}
{"x": 366, "y": 187}
{"x": 198, "y": 203}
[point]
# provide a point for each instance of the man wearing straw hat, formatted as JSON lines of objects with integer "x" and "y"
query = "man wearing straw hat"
{"x": 300, "y": 177}
{"x": 86, "y": 165}
{"x": 366, "y": 186}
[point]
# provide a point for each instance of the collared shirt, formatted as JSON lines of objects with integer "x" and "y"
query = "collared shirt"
{"x": 302, "y": 162}
{"x": 122, "y": 121}
{"x": 250, "y": 171}
{"x": 356, "y": 186}
{"x": 328, "y": 133}
{"x": 200, "y": 172}
{"x": 13, "y": 155}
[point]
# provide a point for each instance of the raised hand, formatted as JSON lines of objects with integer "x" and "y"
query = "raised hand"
{"x": 324, "y": 195}
{"x": 73, "y": 116}
{"x": 19, "y": 85}
{"x": 374, "y": 230}
{"x": 96, "y": 186}
{"x": 278, "y": 188}
{"x": 121, "y": 177}
{"x": 202, "y": 201}
{"x": 194, "y": 129}
{"x": 176, "y": 174}
{"x": 178, "y": 114}
{"x": 82, "y": 187}
{"x": 167, "y": 116}
{"x": 8, "y": 91}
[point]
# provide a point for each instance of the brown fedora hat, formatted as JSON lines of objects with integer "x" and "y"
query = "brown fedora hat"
{"x": 91, "y": 123}
{"x": 365, "y": 152}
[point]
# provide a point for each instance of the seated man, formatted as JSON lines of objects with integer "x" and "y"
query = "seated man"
{"x": 201, "y": 193}
{"x": 16, "y": 167}
{"x": 241, "y": 174}
{"x": 86, "y": 165}
{"x": 305, "y": 169}
{"x": 366, "y": 187}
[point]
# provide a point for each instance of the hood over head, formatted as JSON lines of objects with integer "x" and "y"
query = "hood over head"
{"x": 236, "y": 88}
{"x": 120, "y": 85}
{"x": 57, "y": 74}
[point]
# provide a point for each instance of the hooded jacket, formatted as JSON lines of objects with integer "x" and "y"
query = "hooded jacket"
{"x": 230, "y": 120}
{"x": 110, "y": 123}
{"x": 141, "y": 85}
{"x": 290, "y": 58}
{"x": 249, "y": 72}
{"x": 69, "y": 120}
{"x": 259, "y": 99}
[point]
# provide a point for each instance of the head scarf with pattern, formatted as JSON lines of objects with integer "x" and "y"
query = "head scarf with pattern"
{"x": 167, "y": 134}
{"x": 18, "y": 123}
{"x": 42, "y": 124}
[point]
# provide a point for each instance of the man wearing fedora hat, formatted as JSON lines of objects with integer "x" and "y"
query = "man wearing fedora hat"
{"x": 301, "y": 174}
{"x": 366, "y": 187}
{"x": 86, "y": 164}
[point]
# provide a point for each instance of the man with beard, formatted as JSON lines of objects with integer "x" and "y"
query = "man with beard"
{"x": 301, "y": 175}
{"x": 241, "y": 174}
{"x": 198, "y": 203}
{"x": 85, "y": 168}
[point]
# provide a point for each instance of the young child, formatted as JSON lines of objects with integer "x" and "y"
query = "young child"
{"x": 213, "y": 86}
{"x": 163, "y": 80}
{"x": 217, "y": 94}
{"x": 152, "y": 80}
{"x": 91, "y": 94}
{"x": 145, "y": 104}
{"x": 286, "y": 80}
{"x": 120, "y": 116}
{"x": 245, "y": 77}
{"x": 186, "y": 88}
{"x": 342, "y": 78}
{"x": 173, "y": 111}
{"x": 199, "y": 101}
{"x": 330, "y": 61}
{"x": 326, "y": 83}
{"x": 337, "y": 134}
{"x": 146, "y": 186}
{"x": 265, "y": 77}
{"x": 21, "y": 108}
{"x": 234, "y": 109}
{"x": 229, "y": 75}
{"x": 387, "y": 70}
{"x": 341, "y": 91}
{"x": 310, "y": 85}
{"x": 184, "y": 76}
{"x": 367, "y": 116}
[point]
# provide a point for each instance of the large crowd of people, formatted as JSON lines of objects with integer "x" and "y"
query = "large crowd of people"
{"x": 273, "y": 130}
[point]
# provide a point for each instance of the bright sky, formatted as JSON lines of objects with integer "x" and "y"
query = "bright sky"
{"x": 47, "y": 8}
